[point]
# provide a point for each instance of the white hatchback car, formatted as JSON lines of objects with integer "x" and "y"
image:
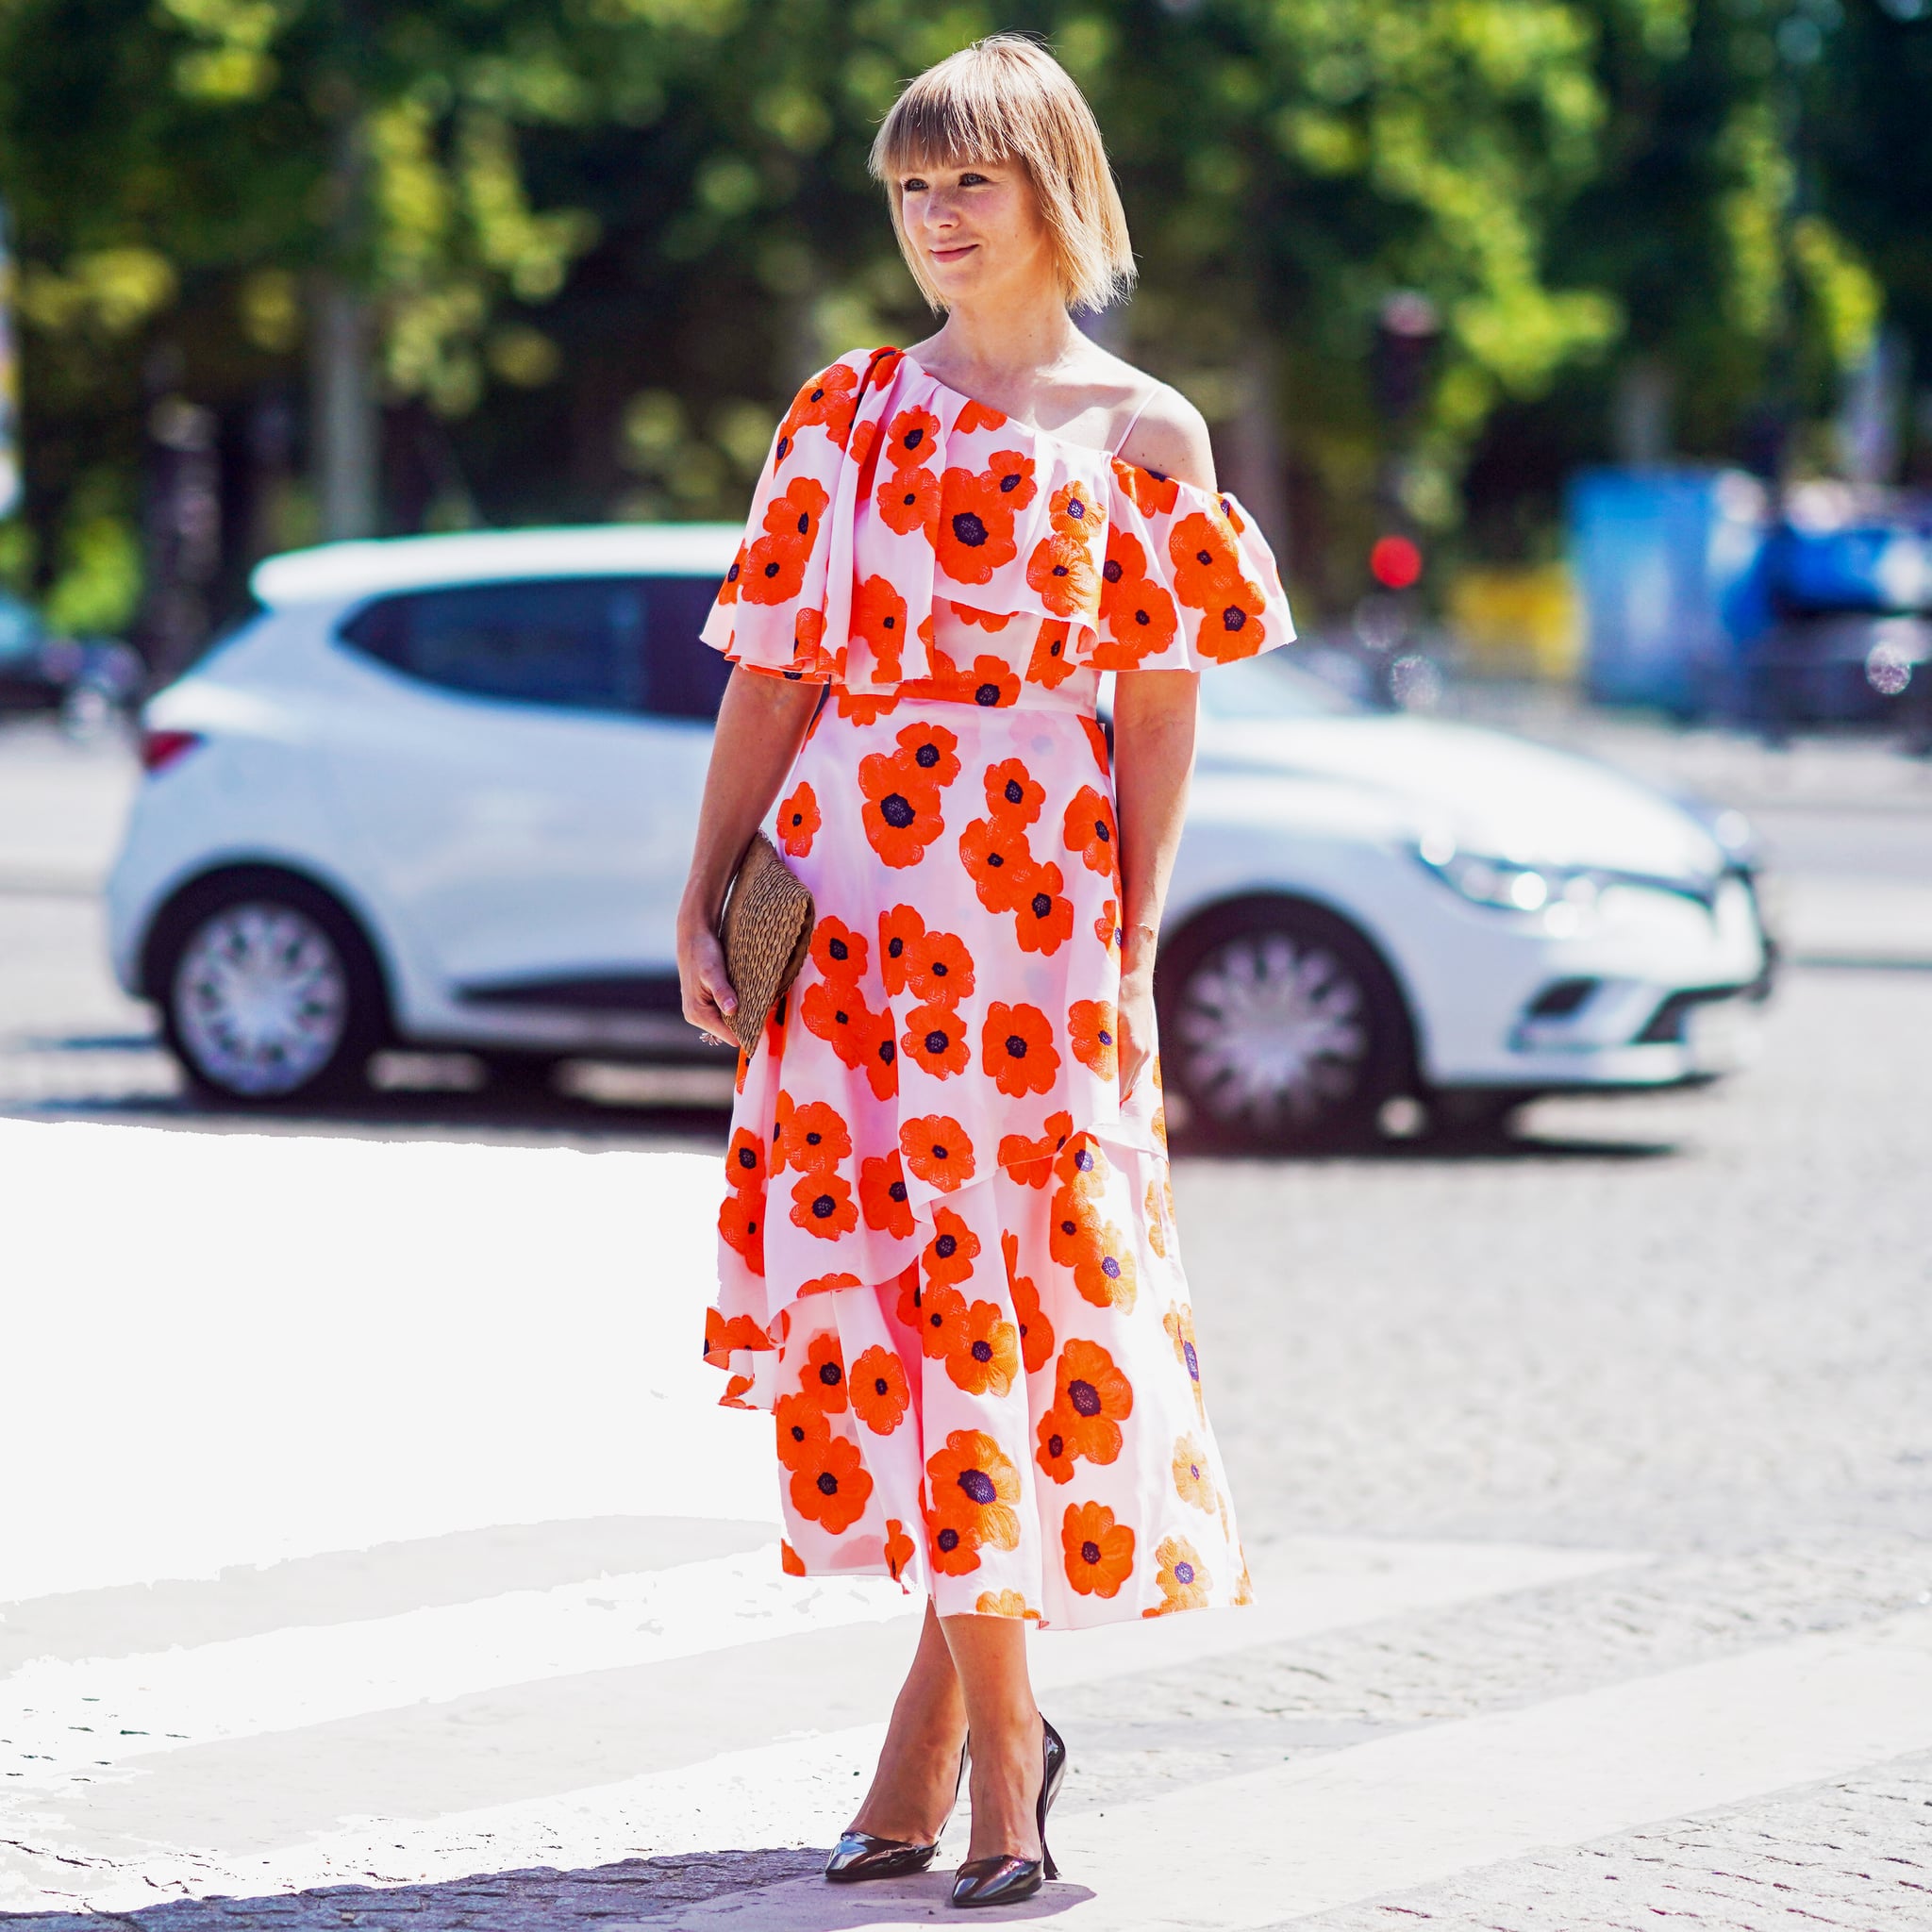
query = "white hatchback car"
{"x": 440, "y": 792}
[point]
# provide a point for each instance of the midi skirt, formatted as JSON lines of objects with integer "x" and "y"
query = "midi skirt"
{"x": 948, "y": 1261}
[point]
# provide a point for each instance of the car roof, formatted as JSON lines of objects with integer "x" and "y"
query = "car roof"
{"x": 333, "y": 572}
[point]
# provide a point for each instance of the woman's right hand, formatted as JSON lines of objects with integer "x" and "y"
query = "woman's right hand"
{"x": 709, "y": 998}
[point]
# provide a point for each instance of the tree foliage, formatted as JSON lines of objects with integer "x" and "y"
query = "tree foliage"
{"x": 604, "y": 237}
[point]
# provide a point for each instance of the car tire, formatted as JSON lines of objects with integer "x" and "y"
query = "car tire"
{"x": 1281, "y": 1027}
{"x": 269, "y": 992}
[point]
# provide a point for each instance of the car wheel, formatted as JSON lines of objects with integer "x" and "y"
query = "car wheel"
{"x": 267, "y": 991}
{"x": 1280, "y": 1027}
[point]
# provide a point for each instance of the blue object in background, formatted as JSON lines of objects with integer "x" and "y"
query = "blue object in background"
{"x": 1869, "y": 566}
{"x": 1672, "y": 566}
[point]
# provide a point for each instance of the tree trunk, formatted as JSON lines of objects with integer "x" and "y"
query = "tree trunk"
{"x": 343, "y": 412}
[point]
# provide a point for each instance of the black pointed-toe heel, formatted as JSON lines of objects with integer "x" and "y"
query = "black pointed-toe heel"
{"x": 1004, "y": 1880}
{"x": 859, "y": 1856}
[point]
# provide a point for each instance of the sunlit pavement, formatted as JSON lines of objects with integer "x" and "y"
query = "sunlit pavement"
{"x": 369, "y": 1549}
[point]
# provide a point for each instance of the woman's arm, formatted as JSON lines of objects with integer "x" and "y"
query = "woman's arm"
{"x": 1153, "y": 751}
{"x": 760, "y": 726}
{"x": 1153, "y": 757}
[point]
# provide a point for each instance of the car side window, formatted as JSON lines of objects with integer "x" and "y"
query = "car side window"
{"x": 625, "y": 644}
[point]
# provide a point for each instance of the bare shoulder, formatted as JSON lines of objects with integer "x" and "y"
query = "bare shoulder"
{"x": 1172, "y": 436}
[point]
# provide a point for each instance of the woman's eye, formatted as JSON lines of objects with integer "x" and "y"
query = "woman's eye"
{"x": 971, "y": 180}
{"x": 915, "y": 186}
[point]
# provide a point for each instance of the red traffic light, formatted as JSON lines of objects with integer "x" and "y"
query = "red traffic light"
{"x": 1395, "y": 562}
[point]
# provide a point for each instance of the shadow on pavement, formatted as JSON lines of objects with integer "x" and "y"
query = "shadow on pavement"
{"x": 694, "y": 1888}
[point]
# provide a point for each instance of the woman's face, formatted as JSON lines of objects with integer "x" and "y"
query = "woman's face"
{"x": 978, "y": 231}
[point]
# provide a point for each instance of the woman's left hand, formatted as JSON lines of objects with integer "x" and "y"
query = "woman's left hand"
{"x": 1134, "y": 1024}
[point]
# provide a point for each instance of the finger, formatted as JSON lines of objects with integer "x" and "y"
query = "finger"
{"x": 713, "y": 982}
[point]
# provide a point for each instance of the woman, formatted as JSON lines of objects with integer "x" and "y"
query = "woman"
{"x": 948, "y": 1256}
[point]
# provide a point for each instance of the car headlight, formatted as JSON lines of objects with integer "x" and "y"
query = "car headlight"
{"x": 1504, "y": 883}
{"x": 1562, "y": 893}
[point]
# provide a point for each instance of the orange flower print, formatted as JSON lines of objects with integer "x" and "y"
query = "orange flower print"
{"x": 864, "y": 452}
{"x": 1106, "y": 929}
{"x": 882, "y": 1195}
{"x": 951, "y": 1252}
{"x": 727, "y": 590}
{"x": 988, "y": 1356}
{"x": 830, "y": 400}
{"x": 823, "y": 1377}
{"x": 1234, "y": 522}
{"x": 723, "y": 1339}
{"x": 1137, "y": 615}
{"x": 913, "y": 439}
{"x": 799, "y": 822}
{"x": 878, "y": 617}
{"x": 1099, "y": 1552}
{"x": 974, "y": 1491}
{"x": 976, "y": 533}
{"x": 1081, "y": 1166}
{"x": 1052, "y": 1453}
{"x": 998, "y": 861}
{"x": 1105, "y": 1274}
{"x": 812, "y": 1138}
{"x": 899, "y": 1549}
{"x": 745, "y": 1162}
{"x": 737, "y": 1386}
{"x": 988, "y": 682}
{"x": 985, "y": 620}
{"x": 1093, "y": 1398}
{"x": 1045, "y": 919}
{"x": 1016, "y": 1048}
{"x": 1004, "y": 1603}
{"x": 1013, "y": 794}
{"x": 1208, "y": 579}
{"x": 1150, "y": 1210}
{"x": 832, "y": 1489}
{"x": 1030, "y": 1161}
{"x": 879, "y": 1395}
{"x": 1073, "y": 512}
{"x": 1192, "y": 1482}
{"x": 864, "y": 707}
{"x": 938, "y": 1150}
{"x": 774, "y": 565}
{"x": 828, "y": 1284}
{"x": 911, "y": 1311}
{"x": 941, "y": 1315}
{"x": 740, "y": 1223}
{"x": 1089, "y": 829}
{"x": 1153, "y": 493}
{"x": 1090, "y": 1027}
{"x": 898, "y": 930}
{"x": 1061, "y": 570}
{"x": 901, "y": 819}
{"x": 908, "y": 500}
{"x": 1183, "y": 1578}
{"x": 928, "y": 755}
{"x": 788, "y": 1559}
{"x": 935, "y": 1036}
{"x": 885, "y": 365}
{"x": 835, "y": 1012}
{"x": 1098, "y": 742}
{"x": 1076, "y": 1228}
{"x": 804, "y": 1433}
{"x": 1179, "y": 1324}
{"x": 1050, "y": 664}
{"x": 1036, "y": 1331}
{"x": 836, "y": 951}
{"x": 807, "y": 638}
{"x": 938, "y": 968}
{"x": 879, "y": 1053}
{"x": 822, "y": 1204}
{"x": 978, "y": 416}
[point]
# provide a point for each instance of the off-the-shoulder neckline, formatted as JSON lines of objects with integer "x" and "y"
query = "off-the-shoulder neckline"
{"x": 1085, "y": 449}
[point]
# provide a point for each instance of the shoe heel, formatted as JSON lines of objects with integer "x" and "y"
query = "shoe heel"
{"x": 1053, "y": 1870}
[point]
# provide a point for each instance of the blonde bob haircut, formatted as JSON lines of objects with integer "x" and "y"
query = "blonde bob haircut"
{"x": 1007, "y": 99}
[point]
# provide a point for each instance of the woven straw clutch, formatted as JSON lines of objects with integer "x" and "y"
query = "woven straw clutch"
{"x": 766, "y": 932}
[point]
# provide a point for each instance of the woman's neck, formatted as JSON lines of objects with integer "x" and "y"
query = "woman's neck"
{"x": 1003, "y": 349}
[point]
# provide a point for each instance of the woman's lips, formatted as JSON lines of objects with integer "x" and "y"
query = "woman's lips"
{"x": 954, "y": 252}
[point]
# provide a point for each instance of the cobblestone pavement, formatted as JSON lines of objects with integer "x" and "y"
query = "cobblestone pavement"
{"x": 1692, "y": 1331}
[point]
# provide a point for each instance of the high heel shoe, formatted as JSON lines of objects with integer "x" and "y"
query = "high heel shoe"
{"x": 1003, "y": 1879}
{"x": 860, "y": 1856}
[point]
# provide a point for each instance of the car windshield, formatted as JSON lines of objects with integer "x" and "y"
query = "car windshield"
{"x": 1271, "y": 689}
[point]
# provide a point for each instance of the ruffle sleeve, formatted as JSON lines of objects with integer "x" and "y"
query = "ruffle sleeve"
{"x": 887, "y": 493}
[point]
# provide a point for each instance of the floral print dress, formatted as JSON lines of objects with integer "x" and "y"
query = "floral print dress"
{"x": 947, "y": 1251}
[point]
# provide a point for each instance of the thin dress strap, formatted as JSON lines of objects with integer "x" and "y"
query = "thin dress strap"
{"x": 1119, "y": 442}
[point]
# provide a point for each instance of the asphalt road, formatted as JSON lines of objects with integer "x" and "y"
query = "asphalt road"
{"x": 1684, "y": 1340}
